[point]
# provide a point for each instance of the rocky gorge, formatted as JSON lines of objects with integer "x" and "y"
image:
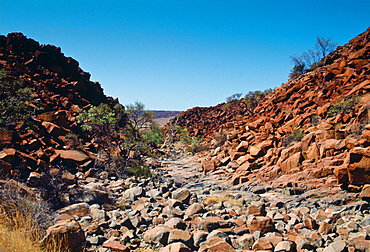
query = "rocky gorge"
{"x": 292, "y": 176}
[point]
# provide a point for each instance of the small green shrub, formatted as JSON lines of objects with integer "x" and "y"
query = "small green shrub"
{"x": 153, "y": 136}
{"x": 343, "y": 107}
{"x": 192, "y": 144}
{"x": 297, "y": 135}
{"x": 140, "y": 171}
{"x": 253, "y": 98}
{"x": 195, "y": 145}
{"x": 226, "y": 106}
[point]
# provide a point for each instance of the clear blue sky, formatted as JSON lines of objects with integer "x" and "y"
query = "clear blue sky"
{"x": 178, "y": 54}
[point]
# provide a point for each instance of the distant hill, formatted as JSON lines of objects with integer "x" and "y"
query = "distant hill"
{"x": 162, "y": 117}
{"x": 165, "y": 113}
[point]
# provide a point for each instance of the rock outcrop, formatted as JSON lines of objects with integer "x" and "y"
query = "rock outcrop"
{"x": 62, "y": 90}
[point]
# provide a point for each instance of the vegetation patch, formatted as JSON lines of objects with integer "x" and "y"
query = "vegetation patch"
{"x": 141, "y": 171}
{"x": 16, "y": 102}
{"x": 294, "y": 136}
{"x": 311, "y": 59}
{"x": 343, "y": 107}
{"x": 192, "y": 144}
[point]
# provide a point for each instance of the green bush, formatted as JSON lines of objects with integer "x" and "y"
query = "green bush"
{"x": 195, "y": 145}
{"x": 96, "y": 119}
{"x": 192, "y": 144}
{"x": 16, "y": 102}
{"x": 125, "y": 130}
{"x": 153, "y": 136}
{"x": 185, "y": 137}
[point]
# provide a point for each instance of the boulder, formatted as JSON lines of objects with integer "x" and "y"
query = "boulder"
{"x": 116, "y": 246}
{"x": 65, "y": 235}
{"x": 365, "y": 193}
{"x": 181, "y": 194}
{"x": 89, "y": 196}
{"x": 5, "y": 137}
{"x": 209, "y": 224}
{"x": 178, "y": 235}
{"x": 175, "y": 247}
{"x": 208, "y": 166}
{"x": 359, "y": 166}
{"x": 5, "y": 168}
{"x": 79, "y": 209}
{"x": 157, "y": 235}
{"x": 292, "y": 162}
{"x": 194, "y": 209}
{"x": 74, "y": 155}
{"x": 285, "y": 246}
{"x": 216, "y": 244}
{"x": 262, "y": 244}
{"x": 263, "y": 224}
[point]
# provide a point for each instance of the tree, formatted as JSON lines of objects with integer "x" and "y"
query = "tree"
{"x": 299, "y": 67}
{"x": 121, "y": 129}
{"x": 101, "y": 122}
{"x": 310, "y": 60}
{"x": 233, "y": 97}
{"x": 16, "y": 102}
{"x": 324, "y": 46}
{"x": 138, "y": 118}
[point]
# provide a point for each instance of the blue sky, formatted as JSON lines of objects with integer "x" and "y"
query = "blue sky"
{"x": 175, "y": 55}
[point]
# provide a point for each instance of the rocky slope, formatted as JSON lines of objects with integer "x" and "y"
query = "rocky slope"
{"x": 62, "y": 89}
{"x": 312, "y": 131}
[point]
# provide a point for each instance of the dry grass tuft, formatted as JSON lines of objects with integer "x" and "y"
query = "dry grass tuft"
{"x": 23, "y": 219}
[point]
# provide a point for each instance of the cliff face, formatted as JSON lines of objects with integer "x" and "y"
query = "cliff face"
{"x": 62, "y": 90}
{"x": 311, "y": 130}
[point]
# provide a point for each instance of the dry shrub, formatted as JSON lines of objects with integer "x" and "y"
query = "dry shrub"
{"x": 23, "y": 218}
